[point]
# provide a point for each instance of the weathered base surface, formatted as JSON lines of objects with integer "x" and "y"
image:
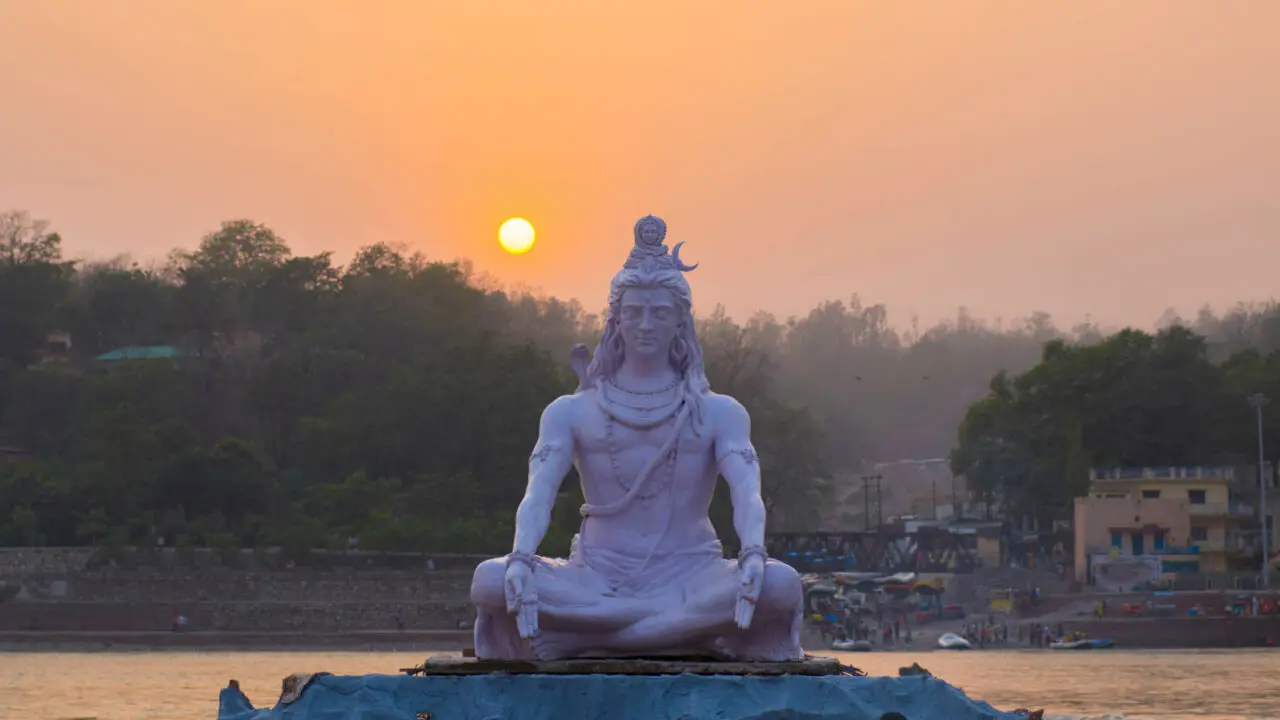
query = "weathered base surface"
{"x": 616, "y": 696}
{"x": 811, "y": 665}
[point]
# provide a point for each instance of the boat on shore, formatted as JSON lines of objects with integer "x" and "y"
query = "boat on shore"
{"x": 952, "y": 641}
{"x": 851, "y": 645}
{"x": 1082, "y": 643}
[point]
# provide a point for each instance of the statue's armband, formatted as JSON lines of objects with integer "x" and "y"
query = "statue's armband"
{"x": 545, "y": 453}
{"x": 744, "y": 453}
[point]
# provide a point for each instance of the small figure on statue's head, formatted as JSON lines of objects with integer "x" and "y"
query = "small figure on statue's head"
{"x": 650, "y": 232}
{"x": 646, "y": 573}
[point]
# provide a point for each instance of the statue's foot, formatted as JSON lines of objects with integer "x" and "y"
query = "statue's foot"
{"x": 552, "y": 645}
{"x": 721, "y": 649}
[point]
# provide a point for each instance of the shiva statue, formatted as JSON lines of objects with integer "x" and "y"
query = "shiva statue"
{"x": 646, "y": 574}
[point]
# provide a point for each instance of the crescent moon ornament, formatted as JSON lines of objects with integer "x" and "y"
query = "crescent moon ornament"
{"x": 675, "y": 255}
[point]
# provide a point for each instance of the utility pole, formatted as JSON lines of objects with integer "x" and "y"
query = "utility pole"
{"x": 866, "y": 501}
{"x": 1257, "y": 400}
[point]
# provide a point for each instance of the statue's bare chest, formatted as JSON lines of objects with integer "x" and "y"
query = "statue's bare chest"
{"x": 612, "y": 458}
{"x": 599, "y": 433}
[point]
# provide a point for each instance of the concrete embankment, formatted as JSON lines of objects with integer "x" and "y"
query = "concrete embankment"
{"x": 325, "y": 599}
{"x": 1182, "y": 632}
{"x": 381, "y": 641}
{"x": 235, "y": 616}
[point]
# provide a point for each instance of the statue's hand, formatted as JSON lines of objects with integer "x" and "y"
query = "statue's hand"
{"x": 751, "y": 578}
{"x": 522, "y": 598}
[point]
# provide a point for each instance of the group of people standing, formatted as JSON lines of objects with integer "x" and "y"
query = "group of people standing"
{"x": 986, "y": 633}
{"x": 1041, "y": 635}
{"x": 884, "y": 632}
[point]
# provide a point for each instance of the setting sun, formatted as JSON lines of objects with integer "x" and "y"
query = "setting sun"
{"x": 516, "y": 235}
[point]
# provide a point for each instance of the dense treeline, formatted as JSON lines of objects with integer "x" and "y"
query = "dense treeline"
{"x": 299, "y": 403}
{"x": 1133, "y": 399}
{"x": 396, "y": 399}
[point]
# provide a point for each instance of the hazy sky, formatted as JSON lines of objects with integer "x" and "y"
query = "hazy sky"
{"x": 1078, "y": 157}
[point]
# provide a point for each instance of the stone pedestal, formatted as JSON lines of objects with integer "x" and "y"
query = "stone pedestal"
{"x": 452, "y": 689}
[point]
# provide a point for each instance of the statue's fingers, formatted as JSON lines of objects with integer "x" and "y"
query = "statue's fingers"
{"x": 529, "y": 612}
{"x": 513, "y": 596}
{"x": 523, "y": 619}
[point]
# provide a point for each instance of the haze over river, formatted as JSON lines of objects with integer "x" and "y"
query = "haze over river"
{"x": 1134, "y": 685}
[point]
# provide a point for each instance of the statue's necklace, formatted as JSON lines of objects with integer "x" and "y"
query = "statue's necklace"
{"x": 671, "y": 386}
{"x": 645, "y": 411}
{"x": 625, "y": 482}
{"x": 641, "y": 407}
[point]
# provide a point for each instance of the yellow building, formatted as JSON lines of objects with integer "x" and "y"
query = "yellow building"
{"x": 1184, "y": 515}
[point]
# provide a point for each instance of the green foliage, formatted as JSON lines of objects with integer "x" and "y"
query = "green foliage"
{"x": 1132, "y": 399}
{"x": 394, "y": 401}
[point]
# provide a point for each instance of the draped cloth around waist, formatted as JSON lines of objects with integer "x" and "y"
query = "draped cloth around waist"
{"x": 656, "y": 574}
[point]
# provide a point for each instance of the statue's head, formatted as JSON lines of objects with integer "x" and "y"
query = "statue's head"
{"x": 650, "y": 309}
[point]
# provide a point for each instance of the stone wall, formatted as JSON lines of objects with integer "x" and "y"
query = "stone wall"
{"x": 285, "y": 586}
{"x": 150, "y": 575}
{"x": 264, "y": 617}
{"x": 21, "y": 562}
{"x": 17, "y": 563}
{"x": 86, "y": 589}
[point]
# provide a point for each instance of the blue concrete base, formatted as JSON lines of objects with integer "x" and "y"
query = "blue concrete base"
{"x": 616, "y": 697}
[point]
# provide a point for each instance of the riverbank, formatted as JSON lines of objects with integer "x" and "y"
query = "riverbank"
{"x": 1178, "y": 632}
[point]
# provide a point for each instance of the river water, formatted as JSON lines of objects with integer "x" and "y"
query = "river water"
{"x": 1134, "y": 685}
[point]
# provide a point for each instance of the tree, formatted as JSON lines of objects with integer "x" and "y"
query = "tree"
{"x": 241, "y": 252}
{"x": 1132, "y": 399}
{"x": 27, "y": 242}
{"x": 34, "y": 281}
{"x": 398, "y": 397}
{"x": 118, "y": 304}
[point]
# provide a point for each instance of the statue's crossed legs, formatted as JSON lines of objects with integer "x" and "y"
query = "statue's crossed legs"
{"x": 685, "y": 607}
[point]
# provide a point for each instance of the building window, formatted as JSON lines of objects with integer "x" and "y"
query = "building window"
{"x": 1157, "y": 540}
{"x": 1195, "y": 497}
{"x": 1150, "y": 494}
{"x": 1199, "y": 533}
{"x": 1181, "y": 566}
{"x": 1117, "y": 539}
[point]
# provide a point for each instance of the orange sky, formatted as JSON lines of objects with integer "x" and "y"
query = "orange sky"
{"x": 1083, "y": 157}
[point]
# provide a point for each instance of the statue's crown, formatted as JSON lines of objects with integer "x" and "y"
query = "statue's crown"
{"x": 651, "y": 255}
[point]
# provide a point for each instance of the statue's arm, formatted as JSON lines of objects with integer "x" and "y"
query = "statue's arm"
{"x": 551, "y": 460}
{"x": 738, "y": 464}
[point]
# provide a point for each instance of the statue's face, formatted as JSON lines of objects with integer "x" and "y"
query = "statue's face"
{"x": 649, "y": 319}
{"x": 650, "y": 234}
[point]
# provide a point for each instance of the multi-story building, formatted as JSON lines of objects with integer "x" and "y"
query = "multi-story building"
{"x": 1190, "y": 518}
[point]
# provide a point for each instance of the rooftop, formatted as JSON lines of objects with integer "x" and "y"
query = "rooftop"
{"x": 1196, "y": 472}
{"x": 149, "y": 352}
